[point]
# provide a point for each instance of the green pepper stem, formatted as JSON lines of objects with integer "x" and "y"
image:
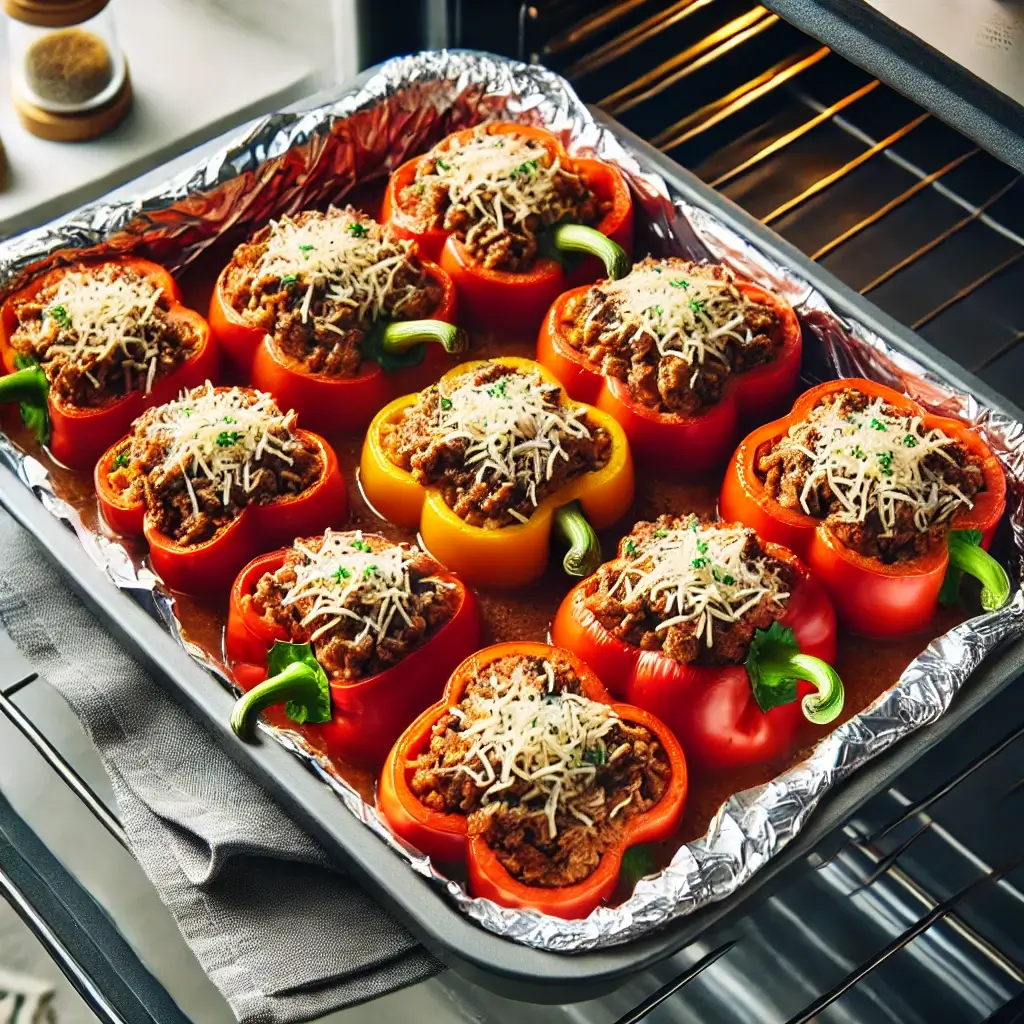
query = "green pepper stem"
{"x": 580, "y": 238}
{"x": 826, "y": 705}
{"x": 401, "y": 335}
{"x": 584, "y": 554}
{"x": 27, "y": 385}
{"x": 296, "y": 682}
{"x": 977, "y": 562}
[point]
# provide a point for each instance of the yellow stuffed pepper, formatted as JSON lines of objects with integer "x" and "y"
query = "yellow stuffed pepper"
{"x": 491, "y": 459}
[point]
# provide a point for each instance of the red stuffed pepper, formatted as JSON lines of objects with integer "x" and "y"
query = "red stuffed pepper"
{"x": 357, "y": 634}
{"x": 529, "y": 773}
{"x": 888, "y": 505}
{"x": 682, "y": 354}
{"x": 215, "y": 477}
{"x": 335, "y": 317}
{"x": 712, "y": 630}
{"x": 88, "y": 348}
{"x": 509, "y": 214}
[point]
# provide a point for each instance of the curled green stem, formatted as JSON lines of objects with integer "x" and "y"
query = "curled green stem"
{"x": 584, "y": 554}
{"x": 402, "y": 335}
{"x": 589, "y": 241}
{"x": 297, "y": 682}
{"x": 29, "y": 387}
{"x": 827, "y": 704}
{"x": 967, "y": 556}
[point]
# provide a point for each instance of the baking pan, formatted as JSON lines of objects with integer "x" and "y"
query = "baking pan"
{"x": 497, "y": 963}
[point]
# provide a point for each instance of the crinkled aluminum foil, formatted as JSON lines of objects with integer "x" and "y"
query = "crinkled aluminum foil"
{"x": 289, "y": 161}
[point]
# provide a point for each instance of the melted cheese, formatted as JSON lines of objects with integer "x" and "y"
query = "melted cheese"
{"x": 875, "y": 459}
{"x": 502, "y": 180}
{"x": 513, "y": 427}
{"x": 690, "y": 313}
{"x": 697, "y": 573}
{"x": 107, "y": 315}
{"x": 523, "y": 730}
{"x": 347, "y": 578}
{"x": 343, "y": 255}
{"x": 221, "y": 435}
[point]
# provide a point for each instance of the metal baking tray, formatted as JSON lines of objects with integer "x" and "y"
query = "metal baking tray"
{"x": 497, "y": 963}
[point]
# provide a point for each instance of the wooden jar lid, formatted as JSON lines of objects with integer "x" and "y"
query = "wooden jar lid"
{"x": 54, "y": 13}
{"x": 87, "y": 124}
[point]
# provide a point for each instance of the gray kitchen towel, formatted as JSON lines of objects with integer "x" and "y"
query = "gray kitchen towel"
{"x": 281, "y": 934}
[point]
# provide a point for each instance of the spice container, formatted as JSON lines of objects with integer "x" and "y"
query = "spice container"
{"x": 69, "y": 77}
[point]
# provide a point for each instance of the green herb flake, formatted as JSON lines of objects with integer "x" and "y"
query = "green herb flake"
{"x": 361, "y": 545}
{"x": 660, "y": 533}
{"x": 702, "y": 547}
{"x": 498, "y": 390}
{"x": 440, "y": 163}
{"x": 885, "y": 461}
{"x": 289, "y": 280}
{"x": 723, "y": 577}
{"x": 858, "y": 453}
{"x": 340, "y": 574}
{"x": 358, "y": 230}
{"x": 121, "y": 460}
{"x": 629, "y": 546}
{"x": 910, "y": 441}
{"x": 594, "y": 755}
{"x": 696, "y": 306}
{"x": 369, "y": 571}
{"x": 226, "y": 438}
{"x": 680, "y": 284}
{"x": 701, "y": 563}
{"x": 877, "y": 425}
{"x": 306, "y": 250}
{"x": 230, "y": 419}
{"x": 446, "y": 403}
{"x": 60, "y": 314}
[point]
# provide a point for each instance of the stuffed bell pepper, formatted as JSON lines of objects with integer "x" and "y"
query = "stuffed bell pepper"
{"x": 88, "y": 348}
{"x": 888, "y": 505}
{"x": 528, "y": 773}
{"x": 513, "y": 219}
{"x": 334, "y": 316}
{"x": 726, "y": 638}
{"x": 488, "y": 461}
{"x": 212, "y": 479}
{"x": 682, "y": 354}
{"x": 354, "y": 634}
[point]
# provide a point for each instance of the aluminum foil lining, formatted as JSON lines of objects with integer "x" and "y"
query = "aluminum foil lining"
{"x": 286, "y": 162}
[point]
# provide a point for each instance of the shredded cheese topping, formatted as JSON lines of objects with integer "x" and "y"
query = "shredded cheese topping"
{"x": 222, "y": 435}
{"x": 514, "y": 427}
{"x": 690, "y": 313}
{"x": 523, "y": 729}
{"x": 347, "y": 578}
{"x": 503, "y": 179}
{"x": 876, "y": 459}
{"x": 344, "y": 255}
{"x": 698, "y": 573}
{"x": 103, "y": 312}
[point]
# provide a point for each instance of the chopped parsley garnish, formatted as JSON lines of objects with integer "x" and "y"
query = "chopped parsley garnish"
{"x": 680, "y": 284}
{"x": 702, "y": 547}
{"x": 723, "y": 577}
{"x": 594, "y": 755}
{"x": 444, "y": 167}
{"x": 885, "y": 459}
{"x": 358, "y": 230}
{"x": 629, "y": 546}
{"x": 660, "y": 533}
{"x": 60, "y": 314}
{"x": 658, "y": 310}
{"x": 858, "y": 453}
{"x": 701, "y": 563}
{"x": 306, "y": 250}
{"x": 697, "y": 306}
{"x": 121, "y": 460}
{"x": 498, "y": 390}
{"x": 227, "y": 419}
{"x": 361, "y": 545}
{"x": 226, "y": 438}
{"x": 910, "y": 441}
{"x": 693, "y": 525}
{"x": 369, "y": 571}
{"x": 446, "y": 403}
{"x": 877, "y": 425}
{"x": 339, "y": 574}
{"x": 290, "y": 280}
{"x": 524, "y": 168}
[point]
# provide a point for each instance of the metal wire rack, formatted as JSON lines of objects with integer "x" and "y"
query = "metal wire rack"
{"x": 909, "y": 212}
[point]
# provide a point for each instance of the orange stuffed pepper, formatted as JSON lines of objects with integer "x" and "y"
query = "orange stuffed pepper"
{"x": 491, "y": 459}
{"x": 472, "y": 780}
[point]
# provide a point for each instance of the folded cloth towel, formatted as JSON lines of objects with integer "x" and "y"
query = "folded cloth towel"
{"x": 211, "y": 841}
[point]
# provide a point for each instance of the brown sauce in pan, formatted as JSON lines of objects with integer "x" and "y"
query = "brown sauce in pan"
{"x": 868, "y": 668}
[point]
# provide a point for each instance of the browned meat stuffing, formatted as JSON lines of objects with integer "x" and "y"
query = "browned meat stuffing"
{"x": 542, "y": 835}
{"x": 318, "y": 282}
{"x": 362, "y": 601}
{"x": 459, "y": 187}
{"x": 100, "y": 333}
{"x": 695, "y": 591}
{"x": 886, "y": 486}
{"x": 199, "y": 461}
{"x": 458, "y": 437}
{"x": 673, "y": 330}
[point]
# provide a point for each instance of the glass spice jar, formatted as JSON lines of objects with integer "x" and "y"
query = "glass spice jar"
{"x": 69, "y": 76}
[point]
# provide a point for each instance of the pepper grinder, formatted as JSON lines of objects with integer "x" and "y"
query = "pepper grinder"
{"x": 69, "y": 77}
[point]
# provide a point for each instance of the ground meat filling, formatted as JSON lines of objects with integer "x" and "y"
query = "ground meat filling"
{"x": 674, "y": 331}
{"x": 885, "y": 484}
{"x": 100, "y": 333}
{"x": 363, "y": 602}
{"x": 546, "y": 776}
{"x": 199, "y": 461}
{"x": 495, "y": 442}
{"x": 318, "y": 282}
{"x": 695, "y": 591}
{"x": 496, "y": 193}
